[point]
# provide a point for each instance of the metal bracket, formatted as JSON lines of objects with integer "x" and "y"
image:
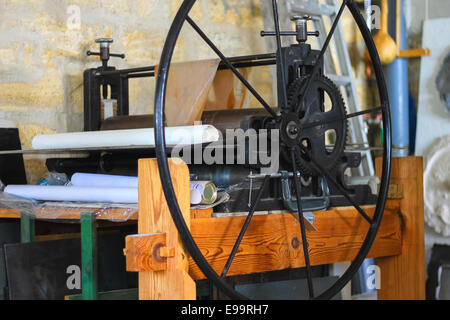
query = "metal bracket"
{"x": 309, "y": 204}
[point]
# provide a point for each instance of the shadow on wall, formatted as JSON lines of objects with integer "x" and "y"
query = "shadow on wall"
{"x": 443, "y": 82}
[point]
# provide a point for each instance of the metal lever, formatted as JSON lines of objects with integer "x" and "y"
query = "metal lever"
{"x": 117, "y": 55}
{"x": 302, "y": 34}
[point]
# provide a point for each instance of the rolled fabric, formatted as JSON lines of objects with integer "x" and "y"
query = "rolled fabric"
{"x": 77, "y": 194}
{"x": 183, "y": 135}
{"x": 103, "y": 180}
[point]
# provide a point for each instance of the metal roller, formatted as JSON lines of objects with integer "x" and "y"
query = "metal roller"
{"x": 220, "y": 119}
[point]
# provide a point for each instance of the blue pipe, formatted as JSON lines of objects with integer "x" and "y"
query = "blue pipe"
{"x": 397, "y": 78}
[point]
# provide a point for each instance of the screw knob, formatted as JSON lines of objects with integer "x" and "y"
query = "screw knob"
{"x": 301, "y": 23}
{"x": 104, "y": 42}
{"x": 298, "y": 18}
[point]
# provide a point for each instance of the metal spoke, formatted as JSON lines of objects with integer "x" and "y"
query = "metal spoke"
{"x": 337, "y": 185}
{"x": 231, "y": 67}
{"x": 280, "y": 57}
{"x": 322, "y": 52}
{"x": 245, "y": 226}
{"x": 302, "y": 224}
{"x": 348, "y": 116}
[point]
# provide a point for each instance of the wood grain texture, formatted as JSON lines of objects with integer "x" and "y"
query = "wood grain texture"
{"x": 142, "y": 252}
{"x": 185, "y": 100}
{"x": 66, "y": 213}
{"x": 154, "y": 217}
{"x": 273, "y": 242}
{"x": 403, "y": 276}
{"x": 201, "y": 213}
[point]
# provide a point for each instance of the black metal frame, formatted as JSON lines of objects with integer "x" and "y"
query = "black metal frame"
{"x": 106, "y": 76}
{"x": 93, "y": 83}
{"x": 189, "y": 242}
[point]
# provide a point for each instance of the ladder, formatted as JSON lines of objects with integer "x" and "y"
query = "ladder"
{"x": 338, "y": 67}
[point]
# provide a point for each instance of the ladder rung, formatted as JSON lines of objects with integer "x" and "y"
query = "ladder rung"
{"x": 313, "y": 9}
{"x": 339, "y": 80}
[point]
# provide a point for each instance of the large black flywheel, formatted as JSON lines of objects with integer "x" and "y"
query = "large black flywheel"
{"x": 303, "y": 125}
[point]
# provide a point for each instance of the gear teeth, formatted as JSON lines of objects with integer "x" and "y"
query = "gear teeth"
{"x": 292, "y": 94}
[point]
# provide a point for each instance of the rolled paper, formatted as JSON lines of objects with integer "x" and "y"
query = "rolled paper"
{"x": 196, "y": 196}
{"x": 203, "y": 192}
{"x": 77, "y": 194}
{"x": 183, "y": 135}
{"x": 103, "y": 180}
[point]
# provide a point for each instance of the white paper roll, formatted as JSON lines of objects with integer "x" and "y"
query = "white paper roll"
{"x": 184, "y": 135}
{"x": 196, "y": 196}
{"x": 78, "y": 194}
{"x": 103, "y": 180}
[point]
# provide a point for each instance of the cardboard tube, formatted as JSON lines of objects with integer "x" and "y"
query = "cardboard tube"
{"x": 126, "y": 138}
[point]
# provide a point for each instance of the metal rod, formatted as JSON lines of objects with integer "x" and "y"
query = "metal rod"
{"x": 337, "y": 185}
{"x": 286, "y": 33}
{"x": 139, "y": 75}
{"x": 244, "y": 227}
{"x": 247, "y": 58}
{"x": 302, "y": 225}
{"x": 230, "y": 65}
{"x": 348, "y": 116}
{"x": 280, "y": 57}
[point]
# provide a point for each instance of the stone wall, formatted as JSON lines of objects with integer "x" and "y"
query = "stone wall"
{"x": 43, "y": 45}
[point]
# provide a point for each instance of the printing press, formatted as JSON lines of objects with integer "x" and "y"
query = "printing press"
{"x": 300, "y": 60}
{"x": 296, "y": 157}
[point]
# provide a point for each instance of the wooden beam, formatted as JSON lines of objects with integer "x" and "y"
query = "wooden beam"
{"x": 154, "y": 217}
{"x": 273, "y": 241}
{"x": 72, "y": 213}
{"x": 403, "y": 276}
{"x": 143, "y": 252}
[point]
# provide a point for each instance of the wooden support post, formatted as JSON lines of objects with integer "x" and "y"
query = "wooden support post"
{"x": 154, "y": 217}
{"x": 27, "y": 228}
{"x": 89, "y": 257}
{"x": 403, "y": 276}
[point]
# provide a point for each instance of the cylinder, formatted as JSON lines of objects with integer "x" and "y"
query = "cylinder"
{"x": 220, "y": 119}
{"x": 203, "y": 192}
{"x": 398, "y": 92}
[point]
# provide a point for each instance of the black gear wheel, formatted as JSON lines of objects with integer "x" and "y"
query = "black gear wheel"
{"x": 312, "y": 110}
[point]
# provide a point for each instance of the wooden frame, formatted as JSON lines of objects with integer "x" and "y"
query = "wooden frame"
{"x": 272, "y": 241}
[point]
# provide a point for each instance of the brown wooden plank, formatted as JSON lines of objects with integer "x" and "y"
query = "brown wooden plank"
{"x": 273, "y": 242}
{"x": 67, "y": 213}
{"x": 403, "y": 276}
{"x": 9, "y": 213}
{"x": 201, "y": 213}
{"x": 143, "y": 252}
{"x": 154, "y": 217}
